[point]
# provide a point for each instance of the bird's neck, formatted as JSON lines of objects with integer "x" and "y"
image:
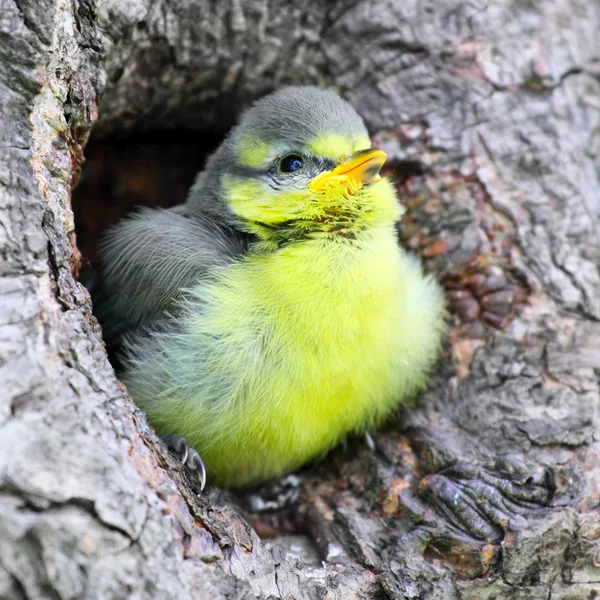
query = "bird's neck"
{"x": 335, "y": 219}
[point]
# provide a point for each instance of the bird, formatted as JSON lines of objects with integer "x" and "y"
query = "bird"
{"x": 274, "y": 313}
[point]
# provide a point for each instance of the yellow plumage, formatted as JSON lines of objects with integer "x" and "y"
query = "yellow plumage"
{"x": 318, "y": 329}
{"x": 307, "y": 343}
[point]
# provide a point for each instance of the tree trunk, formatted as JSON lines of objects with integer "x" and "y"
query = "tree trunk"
{"x": 489, "y": 488}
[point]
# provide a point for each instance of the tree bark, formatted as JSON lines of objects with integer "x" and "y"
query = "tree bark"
{"x": 490, "y": 487}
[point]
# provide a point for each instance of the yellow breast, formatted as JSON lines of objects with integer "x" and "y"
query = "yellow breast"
{"x": 316, "y": 341}
{"x": 284, "y": 353}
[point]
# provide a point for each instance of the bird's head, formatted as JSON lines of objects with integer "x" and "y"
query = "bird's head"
{"x": 300, "y": 165}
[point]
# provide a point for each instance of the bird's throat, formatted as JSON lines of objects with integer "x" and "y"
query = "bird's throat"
{"x": 338, "y": 215}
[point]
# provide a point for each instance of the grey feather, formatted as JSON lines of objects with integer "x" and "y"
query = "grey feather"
{"x": 149, "y": 259}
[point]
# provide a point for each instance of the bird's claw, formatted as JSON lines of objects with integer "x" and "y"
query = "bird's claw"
{"x": 187, "y": 455}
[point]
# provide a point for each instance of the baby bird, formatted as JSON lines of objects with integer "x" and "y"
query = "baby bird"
{"x": 274, "y": 313}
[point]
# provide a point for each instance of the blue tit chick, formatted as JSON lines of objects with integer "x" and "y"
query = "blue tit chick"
{"x": 274, "y": 313}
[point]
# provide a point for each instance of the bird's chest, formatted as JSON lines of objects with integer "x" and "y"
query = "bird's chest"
{"x": 322, "y": 325}
{"x": 333, "y": 304}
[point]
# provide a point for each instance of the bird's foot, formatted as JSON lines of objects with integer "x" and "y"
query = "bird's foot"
{"x": 187, "y": 455}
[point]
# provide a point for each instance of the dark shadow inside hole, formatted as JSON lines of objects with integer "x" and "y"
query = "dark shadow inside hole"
{"x": 154, "y": 169}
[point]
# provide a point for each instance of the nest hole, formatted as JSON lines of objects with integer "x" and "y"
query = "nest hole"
{"x": 153, "y": 169}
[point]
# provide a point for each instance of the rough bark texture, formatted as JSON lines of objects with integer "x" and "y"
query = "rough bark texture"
{"x": 490, "y": 488}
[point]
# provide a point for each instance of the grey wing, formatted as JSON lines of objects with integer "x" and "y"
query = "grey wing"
{"x": 149, "y": 259}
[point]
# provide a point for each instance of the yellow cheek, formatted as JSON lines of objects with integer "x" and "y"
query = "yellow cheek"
{"x": 253, "y": 201}
{"x": 253, "y": 152}
{"x": 335, "y": 147}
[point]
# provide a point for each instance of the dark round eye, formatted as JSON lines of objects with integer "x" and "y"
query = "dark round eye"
{"x": 291, "y": 163}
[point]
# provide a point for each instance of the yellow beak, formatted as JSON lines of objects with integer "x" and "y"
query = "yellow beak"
{"x": 363, "y": 167}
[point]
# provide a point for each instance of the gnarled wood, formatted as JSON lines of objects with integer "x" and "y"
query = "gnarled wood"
{"x": 489, "y": 488}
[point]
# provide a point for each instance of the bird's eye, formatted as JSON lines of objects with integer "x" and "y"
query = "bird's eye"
{"x": 291, "y": 163}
